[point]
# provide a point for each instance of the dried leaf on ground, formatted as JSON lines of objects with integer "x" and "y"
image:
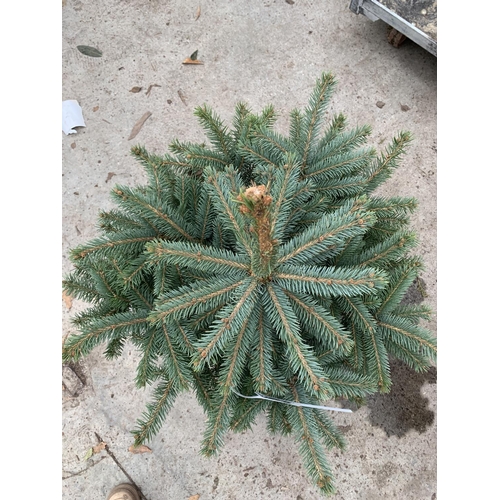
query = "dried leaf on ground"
{"x": 194, "y": 497}
{"x": 182, "y": 96}
{"x": 98, "y": 448}
{"x": 110, "y": 176}
{"x": 67, "y": 300}
{"x": 95, "y": 108}
{"x": 73, "y": 145}
{"x": 139, "y": 124}
{"x": 135, "y": 89}
{"x": 89, "y": 51}
{"x": 198, "y": 13}
{"x": 140, "y": 449}
{"x": 192, "y": 59}
{"x": 150, "y": 87}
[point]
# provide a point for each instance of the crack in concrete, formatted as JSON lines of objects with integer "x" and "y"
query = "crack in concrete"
{"x": 73, "y": 474}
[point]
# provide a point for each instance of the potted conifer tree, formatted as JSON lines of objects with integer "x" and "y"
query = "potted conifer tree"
{"x": 260, "y": 265}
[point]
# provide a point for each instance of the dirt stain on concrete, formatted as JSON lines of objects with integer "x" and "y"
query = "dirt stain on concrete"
{"x": 405, "y": 407}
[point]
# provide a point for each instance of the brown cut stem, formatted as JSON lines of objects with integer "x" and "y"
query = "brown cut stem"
{"x": 255, "y": 204}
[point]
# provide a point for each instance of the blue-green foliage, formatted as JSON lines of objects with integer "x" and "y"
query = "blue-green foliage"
{"x": 180, "y": 270}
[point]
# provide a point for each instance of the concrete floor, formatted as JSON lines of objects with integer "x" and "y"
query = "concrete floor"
{"x": 270, "y": 51}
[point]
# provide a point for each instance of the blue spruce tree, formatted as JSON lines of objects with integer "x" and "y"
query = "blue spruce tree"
{"x": 260, "y": 264}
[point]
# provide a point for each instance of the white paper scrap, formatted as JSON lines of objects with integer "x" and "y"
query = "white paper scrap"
{"x": 72, "y": 116}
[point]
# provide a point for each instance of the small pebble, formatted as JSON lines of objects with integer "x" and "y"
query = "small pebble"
{"x": 380, "y": 104}
{"x": 71, "y": 381}
{"x": 404, "y": 107}
{"x": 423, "y": 12}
